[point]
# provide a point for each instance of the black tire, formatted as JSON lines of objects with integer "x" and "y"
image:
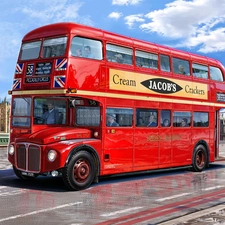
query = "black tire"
{"x": 80, "y": 171}
{"x": 200, "y": 158}
{"x": 23, "y": 177}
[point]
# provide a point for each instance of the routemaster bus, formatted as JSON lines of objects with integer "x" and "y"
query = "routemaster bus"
{"x": 88, "y": 103}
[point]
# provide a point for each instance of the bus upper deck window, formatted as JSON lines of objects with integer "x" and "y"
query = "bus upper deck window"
{"x": 165, "y": 63}
{"x": 86, "y": 48}
{"x": 146, "y": 60}
{"x": 54, "y": 47}
{"x": 216, "y": 74}
{"x": 200, "y": 71}
{"x": 119, "y": 54}
{"x": 181, "y": 66}
{"x": 30, "y": 50}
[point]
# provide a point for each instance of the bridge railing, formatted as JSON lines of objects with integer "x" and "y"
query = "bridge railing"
{"x": 4, "y": 139}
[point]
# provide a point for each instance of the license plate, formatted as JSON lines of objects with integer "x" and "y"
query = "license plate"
{"x": 28, "y": 174}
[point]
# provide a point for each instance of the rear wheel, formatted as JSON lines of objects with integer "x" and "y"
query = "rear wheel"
{"x": 80, "y": 171}
{"x": 24, "y": 177}
{"x": 200, "y": 158}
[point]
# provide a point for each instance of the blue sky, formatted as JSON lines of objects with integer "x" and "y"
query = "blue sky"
{"x": 197, "y": 26}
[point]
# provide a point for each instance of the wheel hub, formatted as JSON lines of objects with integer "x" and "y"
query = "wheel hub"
{"x": 81, "y": 170}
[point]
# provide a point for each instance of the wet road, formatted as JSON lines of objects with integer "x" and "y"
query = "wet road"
{"x": 152, "y": 198}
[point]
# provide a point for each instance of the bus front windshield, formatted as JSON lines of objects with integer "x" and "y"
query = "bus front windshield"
{"x": 30, "y": 50}
{"x": 51, "y": 47}
{"x": 21, "y": 111}
{"x": 49, "y": 111}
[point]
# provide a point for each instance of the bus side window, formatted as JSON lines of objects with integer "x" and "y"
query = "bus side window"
{"x": 121, "y": 117}
{"x": 109, "y": 56}
{"x": 146, "y": 59}
{"x": 88, "y": 48}
{"x": 181, "y": 66}
{"x": 181, "y": 119}
{"x": 119, "y": 54}
{"x": 216, "y": 74}
{"x": 201, "y": 119}
{"x": 200, "y": 71}
{"x": 165, "y": 63}
{"x": 165, "y": 118}
{"x": 139, "y": 61}
{"x": 146, "y": 118}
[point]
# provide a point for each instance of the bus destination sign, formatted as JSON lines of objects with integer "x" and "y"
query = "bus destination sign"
{"x": 43, "y": 68}
{"x": 42, "y": 72}
{"x": 37, "y": 79}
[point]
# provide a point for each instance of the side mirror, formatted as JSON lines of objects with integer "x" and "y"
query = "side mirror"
{"x": 72, "y": 103}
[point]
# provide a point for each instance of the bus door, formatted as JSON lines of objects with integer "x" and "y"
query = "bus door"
{"x": 118, "y": 140}
{"x": 220, "y": 134}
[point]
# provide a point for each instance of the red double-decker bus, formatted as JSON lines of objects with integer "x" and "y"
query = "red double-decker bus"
{"x": 88, "y": 103}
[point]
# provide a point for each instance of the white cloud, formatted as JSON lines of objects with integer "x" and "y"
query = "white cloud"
{"x": 52, "y": 11}
{"x": 196, "y": 21}
{"x": 211, "y": 42}
{"x": 115, "y": 15}
{"x": 130, "y": 20}
{"x": 126, "y": 2}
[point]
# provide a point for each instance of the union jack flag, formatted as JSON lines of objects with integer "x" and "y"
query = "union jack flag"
{"x": 60, "y": 64}
{"x": 59, "y": 81}
{"x": 19, "y": 68}
{"x": 17, "y": 83}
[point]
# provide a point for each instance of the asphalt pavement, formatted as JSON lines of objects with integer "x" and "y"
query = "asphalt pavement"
{"x": 213, "y": 215}
{"x": 4, "y": 163}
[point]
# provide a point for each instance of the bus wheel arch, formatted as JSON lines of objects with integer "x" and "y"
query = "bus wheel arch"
{"x": 81, "y": 169}
{"x": 200, "y": 158}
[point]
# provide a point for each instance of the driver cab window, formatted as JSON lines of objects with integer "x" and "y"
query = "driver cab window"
{"x": 49, "y": 111}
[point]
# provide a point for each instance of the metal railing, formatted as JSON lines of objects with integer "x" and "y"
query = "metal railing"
{"x": 4, "y": 139}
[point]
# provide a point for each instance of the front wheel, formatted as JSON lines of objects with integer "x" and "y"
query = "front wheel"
{"x": 80, "y": 171}
{"x": 200, "y": 158}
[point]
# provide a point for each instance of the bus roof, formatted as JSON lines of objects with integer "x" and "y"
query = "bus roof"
{"x": 65, "y": 28}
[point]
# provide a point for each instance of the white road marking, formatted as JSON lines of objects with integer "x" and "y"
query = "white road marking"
{"x": 1, "y": 187}
{"x": 16, "y": 192}
{"x": 192, "y": 216}
{"x": 39, "y": 211}
{"x": 119, "y": 212}
{"x": 171, "y": 197}
{"x": 212, "y": 188}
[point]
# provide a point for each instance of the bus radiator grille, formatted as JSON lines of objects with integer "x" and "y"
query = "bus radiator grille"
{"x": 28, "y": 157}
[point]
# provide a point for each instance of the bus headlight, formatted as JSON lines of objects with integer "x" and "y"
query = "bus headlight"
{"x": 52, "y": 155}
{"x": 11, "y": 150}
